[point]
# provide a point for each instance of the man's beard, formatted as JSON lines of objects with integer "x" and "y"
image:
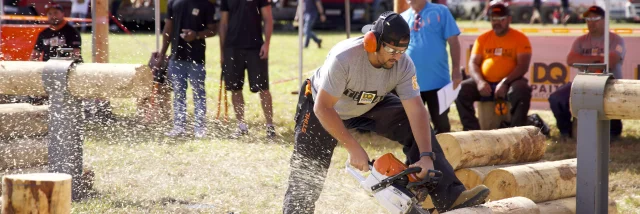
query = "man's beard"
{"x": 54, "y": 21}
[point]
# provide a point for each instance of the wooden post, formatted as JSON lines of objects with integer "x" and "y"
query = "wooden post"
{"x": 400, "y": 6}
{"x": 100, "y": 25}
{"x": 37, "y": 193}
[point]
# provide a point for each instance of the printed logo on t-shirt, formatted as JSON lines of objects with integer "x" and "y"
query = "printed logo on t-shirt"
{"x": 195, "y": 11}
{"x": 55, "y": 41}
{"x": 414, "y": 81}
{"x": 363, "y": 97}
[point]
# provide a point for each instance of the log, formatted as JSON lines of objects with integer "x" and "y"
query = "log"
{"x": 519, "y": 205}
{"x": 23, "y": 119}
{"x": 539, "y": 181}
{"x": 87, "y": 179}
{"x": 493, "y": 147}
{"x": 90, "y": 80}
{"x": 36, "y": 193}
{"x": 568, "y": 206}
{"x": 621, "y": 98}
{"x": 23, "y": 153}
{"x": 472, "y": 177}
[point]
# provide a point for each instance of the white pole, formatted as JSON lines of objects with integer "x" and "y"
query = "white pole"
{"x": 300, "y": 35}
{"x": 94, "y": 26}
{"x": 606, "y": 33}
{"x": 347, "y": 17}
{"x": 157, "y": 19}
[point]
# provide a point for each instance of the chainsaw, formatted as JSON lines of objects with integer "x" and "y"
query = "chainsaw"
{"x": 393, "y": 184}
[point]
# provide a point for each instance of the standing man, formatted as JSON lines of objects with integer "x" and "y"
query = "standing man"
{"x": 433, "y": 27}
{"x": 312, "y": 10}
{"x": 499, "y": 60}
{"x": 187, "y": 25}
{"x": 80, "y": 9}
{"x": 242, "y": 47}
{"x": 351, "y": 90}
{"x": 59, "y": 34}
{"x": 588, "y": 48}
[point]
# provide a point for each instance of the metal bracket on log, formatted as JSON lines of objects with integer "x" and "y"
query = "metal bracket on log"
{"x": 587, "y": 104}
{"x": 66, "y": 123}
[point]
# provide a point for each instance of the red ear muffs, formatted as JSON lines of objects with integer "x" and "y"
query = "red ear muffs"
{"x": 370, "y": 42}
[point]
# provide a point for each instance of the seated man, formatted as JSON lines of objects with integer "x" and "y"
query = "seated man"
{"x": 499, "y": 60}
{"x": 588, "y": 48}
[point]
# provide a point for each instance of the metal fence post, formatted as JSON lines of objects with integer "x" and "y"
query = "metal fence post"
{"x": 587, "y": 103}
{"x": 66, "y": 124}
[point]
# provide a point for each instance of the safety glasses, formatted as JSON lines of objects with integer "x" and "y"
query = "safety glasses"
{"x": 498, "y": 18}
{"x": 593, "y": 19}
{"x": 391, "y": 50}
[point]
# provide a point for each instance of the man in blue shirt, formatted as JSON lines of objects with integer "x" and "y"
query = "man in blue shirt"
{"x": 432, "y": 27}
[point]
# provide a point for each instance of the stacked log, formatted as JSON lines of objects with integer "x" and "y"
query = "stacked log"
{"x": 23, "y": 119}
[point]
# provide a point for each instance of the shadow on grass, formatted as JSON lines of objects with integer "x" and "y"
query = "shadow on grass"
{"x": 164, "y": 203}
{"x": 623, "y": 152}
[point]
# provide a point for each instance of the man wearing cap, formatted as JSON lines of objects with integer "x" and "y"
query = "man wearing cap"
{"x": 433, "y": 27}
{"x": 351, "y": 90}
{"x": 588, "y": 48}
{"x": 499, "y": 60}
{"x": 59, "y": 34}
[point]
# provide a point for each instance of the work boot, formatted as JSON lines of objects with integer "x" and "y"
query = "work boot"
{"x": 471, "y": 197}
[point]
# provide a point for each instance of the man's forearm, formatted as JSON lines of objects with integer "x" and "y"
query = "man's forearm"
{"x": 166, "y": 39}
{"x": 454, "y": 51}
{"x": 423, "y": 138}
{"x": 333, "y": 124}
{"x": 517, "y": 73}
{"x": 474, "y": 71}
{"x": 268, "y": 29}
{"x": 209, "y": 32}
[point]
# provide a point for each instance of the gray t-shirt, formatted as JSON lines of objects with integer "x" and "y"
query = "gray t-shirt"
{"x": 591, "y": 46}
{"x": 348, "y": 74}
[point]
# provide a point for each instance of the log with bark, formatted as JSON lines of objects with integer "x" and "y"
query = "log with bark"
{"x": 493, "y": 147}
{"x": 36, "y": 193}
{"x": 88, "y": 175}
{"x": 539, "y": 182}
{"x": 23, "y": 119}
{"x": 519, "y": 205}
{"x": 89, "y": 80}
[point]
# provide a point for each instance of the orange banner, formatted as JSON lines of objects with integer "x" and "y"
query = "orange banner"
{"x": 548, "y": 69}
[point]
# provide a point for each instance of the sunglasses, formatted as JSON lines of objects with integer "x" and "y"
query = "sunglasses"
{"x": 498, "y": 18}
{"x": 592, "y": 19}
{"x": 391, "y": 50}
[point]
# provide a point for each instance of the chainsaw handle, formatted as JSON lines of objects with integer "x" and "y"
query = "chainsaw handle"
{"x": 431, "y": 180}
{"x": 354, "y": 172}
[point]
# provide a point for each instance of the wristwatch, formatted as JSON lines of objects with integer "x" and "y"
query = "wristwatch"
{"x": 429, "y": 154}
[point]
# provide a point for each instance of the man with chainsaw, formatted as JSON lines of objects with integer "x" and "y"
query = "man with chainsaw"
{"x": 499, "y": 60}
{"x": 352, "y": 90}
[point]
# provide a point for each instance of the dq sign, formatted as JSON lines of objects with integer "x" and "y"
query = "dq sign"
{"x": 546, "y": 78}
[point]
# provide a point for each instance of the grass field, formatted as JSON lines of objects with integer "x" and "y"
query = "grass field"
{"x": 138, "y": 170}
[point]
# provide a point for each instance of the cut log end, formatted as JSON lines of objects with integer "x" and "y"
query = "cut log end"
{"x": 502, "y": 184}
{"x": 520, "y": 205}
{"x": 53, "y": 177}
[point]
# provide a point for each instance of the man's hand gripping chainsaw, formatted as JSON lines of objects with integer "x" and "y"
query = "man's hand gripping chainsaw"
{"x": 396, "y": 187}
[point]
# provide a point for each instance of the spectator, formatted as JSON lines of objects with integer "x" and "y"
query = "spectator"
{"x": 536, "y": 14}
{"x": 187, "y": 25}
{"x": 80, "y": 9}
{"x": 499, "y": 60}
{"x": 433, "y": 27}
{"x": 588, "y": 48}
{"x": 566, "y": 11}
{"x": 59, "y": 34}
{"x": 242, "y": 47}
{"x": 312, "y": 10}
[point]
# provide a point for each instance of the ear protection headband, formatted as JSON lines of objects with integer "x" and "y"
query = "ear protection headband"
{"x": 372, "y": 38}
